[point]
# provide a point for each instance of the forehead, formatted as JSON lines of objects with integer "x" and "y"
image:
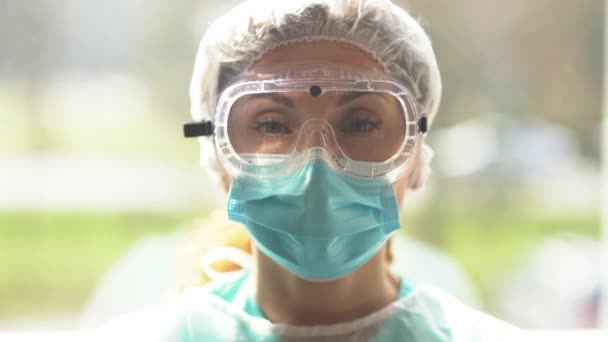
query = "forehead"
{"x": 297, "y": 99}
{"x": 346, "y": 55}
{"x": 331, "y": 105}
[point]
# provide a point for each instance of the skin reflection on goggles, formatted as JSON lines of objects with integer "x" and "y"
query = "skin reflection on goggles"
{"x": 367, "y": 126}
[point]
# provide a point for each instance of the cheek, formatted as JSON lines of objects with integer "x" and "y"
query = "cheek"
{"x": 226, "y": 182}
{"x": 400, "y": 188}
{"x": 404, "y": 183}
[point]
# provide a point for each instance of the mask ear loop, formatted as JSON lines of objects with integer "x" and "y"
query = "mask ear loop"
{"x": 226, "y": 253}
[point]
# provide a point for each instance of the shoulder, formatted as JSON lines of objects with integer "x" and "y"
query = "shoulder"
{"x": 455, "y": 320}
{"x": 422, "y": 263}
{"x": 230, "y": 287}
{"x": 164, "y": 323}
{"x": 195, "y": 315}
{"x": 131, "y": 283}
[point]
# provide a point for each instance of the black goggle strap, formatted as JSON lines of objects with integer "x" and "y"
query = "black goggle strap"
{"x": 199, "y": 129}
{"x": 423, "y": 125}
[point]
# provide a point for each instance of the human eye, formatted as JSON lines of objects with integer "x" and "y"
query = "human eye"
{"x": 362, "y": 126}
{"x": 361, "y": 123}
{"x": 271, "y": 127}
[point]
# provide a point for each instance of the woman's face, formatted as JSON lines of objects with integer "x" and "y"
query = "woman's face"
{"x": 331, "y": 108}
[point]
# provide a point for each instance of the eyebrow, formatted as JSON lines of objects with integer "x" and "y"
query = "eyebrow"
{"x": 286, "y": 101}
{"x": 351, "y": 96}
{"x": 278, "y": 98}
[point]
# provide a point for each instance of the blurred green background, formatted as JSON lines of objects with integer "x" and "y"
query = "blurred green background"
{"x": 52, "y": 261}
{"x": 93, "y": 95}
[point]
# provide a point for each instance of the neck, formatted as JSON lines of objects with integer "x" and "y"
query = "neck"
{"x": 286, "y": 298}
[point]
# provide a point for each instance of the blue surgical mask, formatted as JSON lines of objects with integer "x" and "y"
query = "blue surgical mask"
{"x": 316, "y": 223}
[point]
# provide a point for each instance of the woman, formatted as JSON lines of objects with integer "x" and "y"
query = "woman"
{"x": 313, "y": 114}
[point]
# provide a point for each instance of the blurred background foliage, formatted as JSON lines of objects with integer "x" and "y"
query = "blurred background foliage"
{"x": 93, "y": 95}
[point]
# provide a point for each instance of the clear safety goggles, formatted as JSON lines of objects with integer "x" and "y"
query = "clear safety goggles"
{"x": 269, "y": 126}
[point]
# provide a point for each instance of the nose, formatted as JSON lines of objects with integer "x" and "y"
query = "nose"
{"x": 317, "y": 133}
{"x": 318, "y": 138}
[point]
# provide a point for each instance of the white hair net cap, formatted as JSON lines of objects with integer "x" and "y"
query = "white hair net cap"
{"x": 239, "y": 38}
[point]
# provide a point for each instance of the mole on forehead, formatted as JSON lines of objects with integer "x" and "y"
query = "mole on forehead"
{"x": 332, "y": 52}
